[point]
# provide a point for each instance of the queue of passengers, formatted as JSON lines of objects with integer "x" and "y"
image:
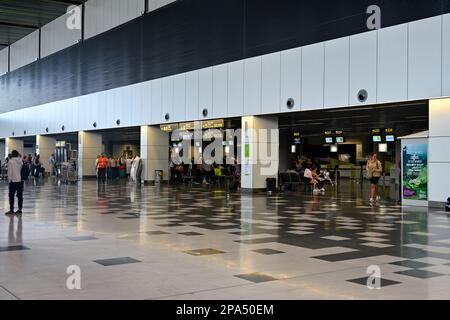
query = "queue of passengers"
{"x": 113, "y": 167}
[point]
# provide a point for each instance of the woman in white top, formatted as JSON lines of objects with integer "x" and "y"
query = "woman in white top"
{"x": 308, "y": 177}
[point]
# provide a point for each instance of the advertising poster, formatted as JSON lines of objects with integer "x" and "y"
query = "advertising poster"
{"x": 415, "y": 172}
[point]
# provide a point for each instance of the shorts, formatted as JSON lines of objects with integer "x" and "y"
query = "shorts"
{"x": 374, "y": 180}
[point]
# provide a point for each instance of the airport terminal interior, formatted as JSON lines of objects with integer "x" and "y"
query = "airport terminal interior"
{"x": 330, "y": 150}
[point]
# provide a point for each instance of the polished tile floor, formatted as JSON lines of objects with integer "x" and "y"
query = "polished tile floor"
{"x": 133, "y": 242}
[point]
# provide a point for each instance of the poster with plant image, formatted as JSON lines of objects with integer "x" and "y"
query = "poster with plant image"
{"x": 415, "y": 172}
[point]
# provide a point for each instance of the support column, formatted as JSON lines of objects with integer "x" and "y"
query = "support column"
{"x": 89, "y": 147}
{"x": 260, "y": 151}
{"x": 439, "y": 152}
{"x": 45, "y": 147}
{"x": 154, "y": 152}
{"x": 13, "y": 144}
{"x": 2, "y": 151}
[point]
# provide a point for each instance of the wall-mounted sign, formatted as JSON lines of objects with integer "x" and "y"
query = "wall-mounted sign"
{"x": 169, "y": 127}
{"x": 389, "y": 131}
{"x": 376, "y": 131}
{"x": 187, "y": 126}
{"x": 415, "y": 171}
{"x": 213, "y": 124}
{"x": 339, "y": 132}
{"x": 328, "y": 133}
{"x": 296, "y": 138}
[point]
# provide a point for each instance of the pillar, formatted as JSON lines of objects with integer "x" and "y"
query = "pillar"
{"x": 89, "y": 147}
{"x": 260, "y": 151}
{"x": 154, "y": 152}
{"x": 13, "y": 144}
{"x": 439, "y": 152}
{"x": 2, "y": 151}
{"x": 45, "y": 147}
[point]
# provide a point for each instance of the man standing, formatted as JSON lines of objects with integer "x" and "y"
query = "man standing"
{"x": 15, "y": 182}
{"x": 52, "y": 163}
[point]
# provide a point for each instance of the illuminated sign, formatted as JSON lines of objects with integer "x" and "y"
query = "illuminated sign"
{"x": 213, "y": 124}
{"x": 328, "y": 133}
{"x": 376, "y": 131}
{"x": 187, "y": 126}
{"x": 339, "y": 132}
{"x": 169, "y": 127}
{"x": 389, "y": 130}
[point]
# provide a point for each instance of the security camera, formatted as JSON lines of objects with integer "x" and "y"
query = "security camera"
{"x": 362, "y": 95}
{"x": 290, "y": 103}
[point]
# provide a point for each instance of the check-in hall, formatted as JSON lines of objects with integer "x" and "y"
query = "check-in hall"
{"x": 339, "y": 142}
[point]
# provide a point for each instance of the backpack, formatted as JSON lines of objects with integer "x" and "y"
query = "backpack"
{"x": 25, "y": 172}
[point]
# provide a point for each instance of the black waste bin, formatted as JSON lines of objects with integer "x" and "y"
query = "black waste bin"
{"x": 447, "y": 205}
{"x": 271, "y": 184}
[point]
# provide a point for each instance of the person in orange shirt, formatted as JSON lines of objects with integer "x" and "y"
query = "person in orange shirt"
{"x": 102, "y": 165}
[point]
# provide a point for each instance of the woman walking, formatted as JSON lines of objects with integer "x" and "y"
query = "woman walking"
{"x": 374, "y": 170}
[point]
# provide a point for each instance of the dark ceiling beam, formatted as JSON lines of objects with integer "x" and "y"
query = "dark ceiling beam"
{"x": 18, "y": 25}
{"x": 74, "y": 2}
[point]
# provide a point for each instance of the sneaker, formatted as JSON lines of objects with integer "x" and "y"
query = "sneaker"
{"x": 378, "y": 198}
{"x": 18, "y": 212}
{"x": 316, "y": 190}
{"x": 322, "y": 190}
{"x": 371, "y": 200}
{"x": 9, "y": 213}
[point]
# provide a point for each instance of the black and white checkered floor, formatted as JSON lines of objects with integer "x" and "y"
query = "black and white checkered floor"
{"x": 134, "y": 242}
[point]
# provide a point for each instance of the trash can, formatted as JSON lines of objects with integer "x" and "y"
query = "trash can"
{"x": 271, "y": 185}
{"x": 447, "y": 205}
{"x": 158, "y": 176}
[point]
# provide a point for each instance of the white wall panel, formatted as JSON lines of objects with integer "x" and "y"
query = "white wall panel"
{"x": 291, "y": 78}
{"x": 123, "y": 107}
{"x": 271, "y": 83}
{"x": 439, "y": 149}
{"x": 205, "y": 97}
{"x": 192, "y": 92}
{"x": 312, "y": 76}
{"x": 56, "y": 35}
{"x": 438, "y": 187}
{"x": 156, "y": 4}
{"x": 252, "y": 86}
{"x": 363, "y": 67}
{"x": 179, "y": 106}
{"x": 425, "y": 58}
{"x": 3, "y": 61}
{"x": 25, "y": 51}
{"x": 156, "y": 101}
{"x": 235, "y": 88}
{"x": 337, "y": 59}
{"x": 446, "y": 56}
{"x": 220, "y": 91}
{"x": 102, "y": 110}
{"x": 167, "y": 99}
{"x": 102, "y": 15}
{"x": 392, "y": 64}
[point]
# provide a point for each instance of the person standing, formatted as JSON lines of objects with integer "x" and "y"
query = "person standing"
{"x": 374, "y": 170}
{"x": 15, "y": 182}
{"x": 102, "y": 165}
{"x": 37, "y": 166}
{"x": 52, "y": 162}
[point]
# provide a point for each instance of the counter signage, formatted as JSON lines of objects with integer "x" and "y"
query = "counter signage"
{"x": 213, "y": 124}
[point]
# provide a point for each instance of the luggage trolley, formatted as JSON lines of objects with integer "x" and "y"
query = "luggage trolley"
{"x": 69, "y": 172}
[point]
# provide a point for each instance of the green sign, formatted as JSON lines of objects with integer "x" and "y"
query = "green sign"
{"x": 247, "y": 150}
{"x": 415, "y": 172}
